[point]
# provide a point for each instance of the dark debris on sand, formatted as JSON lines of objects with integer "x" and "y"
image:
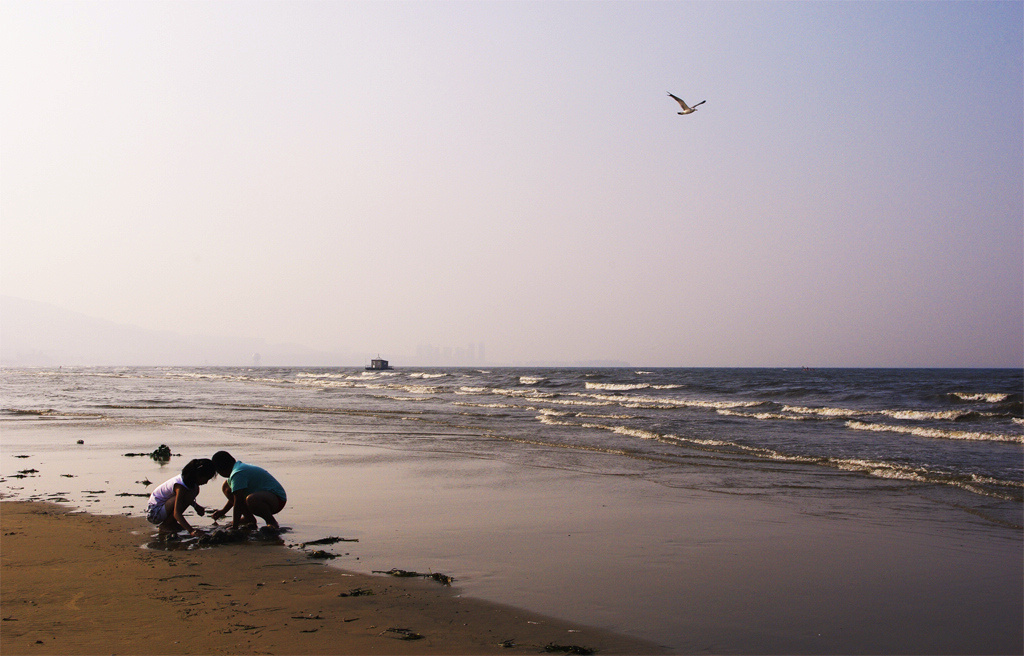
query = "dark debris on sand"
{"x": 327, "y": 540}
{"x": 402, "y": 634}
{"x": 358, "y": 592}
{"x": 553, "y": 648}
{"x": 161, "y": 454}
{"x": 443, "y": 579}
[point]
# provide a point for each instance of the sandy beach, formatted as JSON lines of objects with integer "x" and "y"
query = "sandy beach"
{"x": 75, "y": 583}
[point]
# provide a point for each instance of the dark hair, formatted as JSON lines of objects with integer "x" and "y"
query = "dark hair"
{"x": 223, "y": 460}
{"x": 201, "y": 469}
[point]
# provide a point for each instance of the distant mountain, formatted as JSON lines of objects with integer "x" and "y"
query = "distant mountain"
{"x": 39, "y": 334}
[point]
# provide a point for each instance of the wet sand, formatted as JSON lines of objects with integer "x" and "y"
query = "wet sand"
{"x": 76, "y": 583}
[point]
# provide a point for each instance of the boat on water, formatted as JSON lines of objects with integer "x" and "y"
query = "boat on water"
{"x": 378, "y": 364}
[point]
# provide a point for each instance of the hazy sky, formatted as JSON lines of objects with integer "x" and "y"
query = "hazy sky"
{"x": 376, "y": 176}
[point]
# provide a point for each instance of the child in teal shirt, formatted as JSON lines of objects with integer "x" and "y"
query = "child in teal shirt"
{"x": 250, "y": 490}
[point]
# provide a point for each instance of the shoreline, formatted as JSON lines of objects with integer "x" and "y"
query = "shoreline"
{"x": 78, "y": 583}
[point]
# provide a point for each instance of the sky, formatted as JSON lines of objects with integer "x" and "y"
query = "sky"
{"x": 383, "y": 177}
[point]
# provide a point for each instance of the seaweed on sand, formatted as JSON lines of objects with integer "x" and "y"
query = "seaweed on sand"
{"x": 443, "y": 579}
{"x": 161, "y": 454}
{"x": 328, "y": 540}
{"x": 402, "y": 634}
{"x": 358, "y": 592}
{"x": 552, "y": 648}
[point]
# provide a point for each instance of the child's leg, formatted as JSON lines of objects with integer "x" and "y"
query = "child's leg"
{"x": 265, "y": 505}
{"x": 244, "y": 513}
{"x": 169, "y": 525}
{"x": 226, "y": 489}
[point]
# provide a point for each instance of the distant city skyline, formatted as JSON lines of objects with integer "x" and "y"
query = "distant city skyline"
{"x": 37, "y": 334}
{"x": 40, "y": 335}
{"x": 473, "y": 353}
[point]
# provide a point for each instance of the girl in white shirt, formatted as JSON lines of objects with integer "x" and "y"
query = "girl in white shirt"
{"x": 170, "y": 500}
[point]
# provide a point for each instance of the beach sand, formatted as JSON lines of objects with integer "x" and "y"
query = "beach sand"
{"x": 76, "y": 583}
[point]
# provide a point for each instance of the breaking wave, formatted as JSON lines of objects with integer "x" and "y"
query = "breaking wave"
{"x": 935, "y": 433}
{"x": 617, "y": 387}
{"x": 987, "y": 398}
{"x": 985, "y": 485}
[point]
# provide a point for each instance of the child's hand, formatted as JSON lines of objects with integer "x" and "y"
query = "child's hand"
{"x": 217, "y": 514}
{"x": 200, "y": 510}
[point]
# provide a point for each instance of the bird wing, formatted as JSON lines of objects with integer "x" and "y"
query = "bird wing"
{"x": 700, "y": 103}
{"x": 680, "y": 101}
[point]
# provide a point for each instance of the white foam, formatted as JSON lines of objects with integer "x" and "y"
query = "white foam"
{"x": 666, "y": 438}
{"x": 484, "y": 405}
{"x": 878, "y": 469}
{"x": 416, "y": 389}
{"x": 392, "y": 397}
{"x": 549, "y": 421}
{"x": 321, "y": 374}
{"x": 521, "y": 393}
{"x": 872, "y": 468}
{"x": 669, "y": 402}
{"x": 574, "y": 402}
{"x": 364, "y": 375}
{"x": 592, "y": 416}
{"x": 824, "y": 412}
{"x": 912, "y": 415}
{"x": 617, "y": 387}
{"x": 761, "y": 415}
{"x": 320, "y": 382}
{"x": 987, "y": 398}
{"x": 935, "y": 433}
{"x": 922, "y": 415}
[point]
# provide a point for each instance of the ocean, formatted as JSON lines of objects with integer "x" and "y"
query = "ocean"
{"x": 494, "y": 472}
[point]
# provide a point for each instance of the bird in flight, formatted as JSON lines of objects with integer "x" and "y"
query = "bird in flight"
{"x": 686, "y": 108}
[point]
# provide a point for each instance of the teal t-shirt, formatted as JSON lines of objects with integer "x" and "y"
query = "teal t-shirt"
{"x": 254, "y": 479}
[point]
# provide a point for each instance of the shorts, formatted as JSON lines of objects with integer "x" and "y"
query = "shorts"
{"x": 157, "y": 514}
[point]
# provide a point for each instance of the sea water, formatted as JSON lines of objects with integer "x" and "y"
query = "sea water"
{"x": 674, "y": 482}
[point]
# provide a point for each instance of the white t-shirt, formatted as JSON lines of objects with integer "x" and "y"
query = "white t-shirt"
{"x": 165, "y": 491}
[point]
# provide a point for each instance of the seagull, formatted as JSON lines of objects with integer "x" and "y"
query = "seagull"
{"x": 686, "y": 109}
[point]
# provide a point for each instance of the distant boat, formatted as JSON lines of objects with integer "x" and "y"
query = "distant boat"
{"x": 377, "y": 364}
